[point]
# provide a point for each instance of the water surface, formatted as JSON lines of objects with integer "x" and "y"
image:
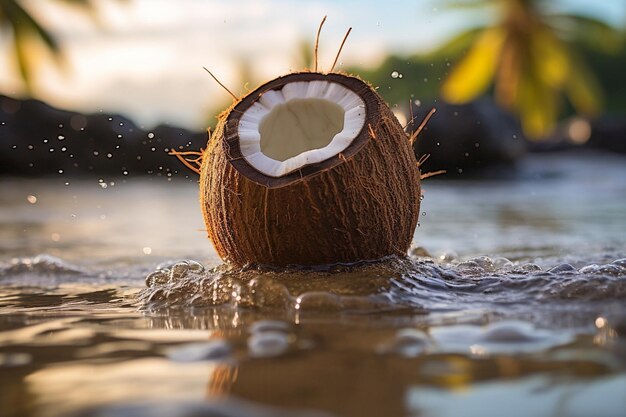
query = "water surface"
{"x": 112, "y": 303}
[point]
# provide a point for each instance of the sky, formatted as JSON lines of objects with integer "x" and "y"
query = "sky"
{"x": 144, "y": 58}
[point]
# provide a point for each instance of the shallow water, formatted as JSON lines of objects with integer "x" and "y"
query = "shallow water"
{"x": 513, "y": 302}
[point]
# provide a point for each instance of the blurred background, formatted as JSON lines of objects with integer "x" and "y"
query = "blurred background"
{"x": 117, "y": 83}
{"x": 529, "y": 127}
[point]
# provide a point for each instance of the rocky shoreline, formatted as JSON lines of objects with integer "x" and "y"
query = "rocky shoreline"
{"x": 40, "y": 140}
{"x": 473, "y": 140}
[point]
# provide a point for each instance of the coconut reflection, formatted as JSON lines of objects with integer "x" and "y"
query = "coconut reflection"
{"x": 312, "y": 364}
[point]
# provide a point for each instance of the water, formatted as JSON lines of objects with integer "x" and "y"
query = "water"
{"x": 112, "y": 303}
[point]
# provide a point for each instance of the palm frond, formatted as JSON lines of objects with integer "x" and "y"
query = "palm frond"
{"x": 475, "y": 72}
{"x": 21, "y": 20}
{"x": 460, "y": 42}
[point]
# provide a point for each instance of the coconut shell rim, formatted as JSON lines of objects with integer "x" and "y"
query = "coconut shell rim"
{"x": 230, "y": 136}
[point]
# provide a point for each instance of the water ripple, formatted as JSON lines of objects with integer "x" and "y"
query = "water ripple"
{"x": 394, "y": 283}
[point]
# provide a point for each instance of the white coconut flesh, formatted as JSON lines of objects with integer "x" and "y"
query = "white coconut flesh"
{"x": 303, "y": 123}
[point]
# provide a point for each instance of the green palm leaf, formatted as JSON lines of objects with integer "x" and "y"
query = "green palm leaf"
{"x": 25, "y": 29}
{"x": 475, "y": 72}
{"x": 528, "y": 54}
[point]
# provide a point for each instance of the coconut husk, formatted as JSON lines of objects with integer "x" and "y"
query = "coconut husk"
{"x": 361, "y": 204}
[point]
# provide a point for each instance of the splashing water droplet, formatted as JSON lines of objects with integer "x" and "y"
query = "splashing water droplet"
{"x": 395, "y": 74}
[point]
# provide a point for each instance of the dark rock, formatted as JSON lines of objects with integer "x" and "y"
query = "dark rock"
{"x": 478, "y": 138}
{"x": 578, "y": 133}
{"x": 609, "y": 133}
{"x": 39, "y": 140}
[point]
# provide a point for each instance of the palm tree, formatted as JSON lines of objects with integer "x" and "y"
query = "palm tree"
{"x": 527, "y": 55}
{"x": 24, "y": 28}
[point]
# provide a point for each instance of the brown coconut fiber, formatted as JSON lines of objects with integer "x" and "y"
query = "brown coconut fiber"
{"x": 361, "y": 204}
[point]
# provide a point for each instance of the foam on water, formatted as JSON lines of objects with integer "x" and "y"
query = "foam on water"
{"x": 422, "y": 285}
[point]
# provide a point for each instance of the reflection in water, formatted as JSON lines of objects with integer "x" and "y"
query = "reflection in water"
{"x": 527, "y": 396}
{"x": 457, "y": 339}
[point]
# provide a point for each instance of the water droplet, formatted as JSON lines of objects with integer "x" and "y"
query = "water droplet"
{"x": 395, "y": 74}
{"x": 125, "y": 172}
{"x": 147, "y": 250}
{"x": 119, "y": 136}
{"x": 110, "y": 119}
{"x": 103, "y": 185}
{"x": 417, "y": 103}
{"x": 31, "y": 147}
{"x": 31, "y": 199}
{"x": 96, "y": 153}
{"x": 425, "y": 80}
{"x": 63, "y": 149}
{"x": 61, "y": 137}
{"x": 55, "y": 237}
{"x": 109, "y": 155}
{"x": 60, "y": 171}
{"x": 150, "y": 135}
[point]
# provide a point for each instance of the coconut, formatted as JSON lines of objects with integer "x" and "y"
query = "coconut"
{"x": 309, "y": 168}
